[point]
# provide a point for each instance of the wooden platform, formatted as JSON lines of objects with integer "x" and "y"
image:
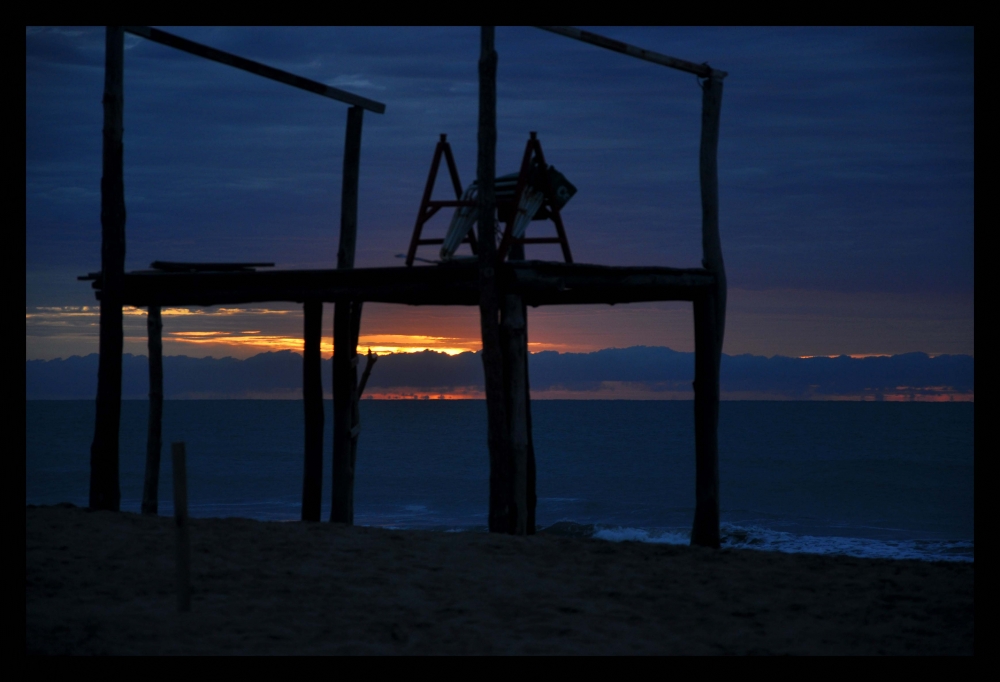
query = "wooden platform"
{"x": 500, "y": 289}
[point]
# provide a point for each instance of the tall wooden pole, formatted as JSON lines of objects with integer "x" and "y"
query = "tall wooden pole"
{"x": 513, "y": 336}
{"x": 709, "y": 328}
{"x": 530, "y": 491}
{"x": 104, "y": 490}
{"x": 711, "y": 244}
{"x": 489, "y": 301}
{"x": 312, "y": 398}
{"x": 514, "y": 340}
{"x": 346, "y": 318}
{"x": 154, "y": 434}
{"x": 706, "y": 418}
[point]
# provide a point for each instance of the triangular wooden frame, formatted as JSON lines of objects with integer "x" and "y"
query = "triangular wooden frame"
{"x": 533, "y": 150}
{"x": 428, "y": 207}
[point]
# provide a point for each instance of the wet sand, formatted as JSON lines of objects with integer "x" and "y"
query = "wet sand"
{"x": 104, "y": 583}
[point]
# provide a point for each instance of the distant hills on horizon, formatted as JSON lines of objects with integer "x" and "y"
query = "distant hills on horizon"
{"x": 638, "y": 372}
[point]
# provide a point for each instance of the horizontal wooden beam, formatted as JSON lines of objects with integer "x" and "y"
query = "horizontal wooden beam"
{"x": 537, "y": 282}
{"x": 173, "y": 266}
{"x": 185, "y": 45}
{"x": 703, "y": 70}
{"x": 553, "y": 283}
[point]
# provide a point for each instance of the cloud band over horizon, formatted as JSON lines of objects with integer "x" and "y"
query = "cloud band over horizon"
{"x": 646, "y": 373}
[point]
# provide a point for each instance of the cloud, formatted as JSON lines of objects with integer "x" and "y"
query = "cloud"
{"x": 637, "y": 372}
{"x": 355, "y": 81}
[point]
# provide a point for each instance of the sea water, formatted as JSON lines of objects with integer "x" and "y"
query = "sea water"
{"x": 892, "y": 480}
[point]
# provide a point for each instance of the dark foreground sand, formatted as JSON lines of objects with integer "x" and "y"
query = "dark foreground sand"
{"x": 103, "y": 583}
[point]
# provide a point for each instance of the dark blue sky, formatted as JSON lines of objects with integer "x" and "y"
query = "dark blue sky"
{"x": 846, "y": 170}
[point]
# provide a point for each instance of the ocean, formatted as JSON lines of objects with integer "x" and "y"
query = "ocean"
{"x": 867, "y": 479}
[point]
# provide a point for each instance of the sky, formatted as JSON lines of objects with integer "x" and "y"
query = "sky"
{"x": 846, "y": 176}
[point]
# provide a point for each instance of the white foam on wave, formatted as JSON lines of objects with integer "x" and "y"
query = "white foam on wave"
{"x": 765, "y": 539}
{"x": 755, "y": 537}
{"x": 662, "y": 537}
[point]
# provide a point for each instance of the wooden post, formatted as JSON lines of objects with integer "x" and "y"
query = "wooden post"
{"x": 154, "y": 433}
{"x": 514, "y": 336}
{"x": 312, "y": 397}
{"x": 706, "y": 419}
{"x": 358, "y": 386}
{"x": 346, "y": 318}
{"x": 514, "y": 339}
{"x": 489, "y": 303}
{"x": 181, "y": 521}
{"x": 710, "y": 242}
{"x": 709, "y": 328}
{"x": 530, "y": 490}
{"x": 104, "y": 490}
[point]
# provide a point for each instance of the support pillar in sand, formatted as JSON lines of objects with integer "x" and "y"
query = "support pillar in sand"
{"x": 312, "y": 398}
{"x": 501, "y": 475}
{"x": 709, "y": 328}
{"x": 104, "y": 490}
{"x": 346, "y": 323}
{"x": 154, "y": 430}
{"x": 517, "y": 404}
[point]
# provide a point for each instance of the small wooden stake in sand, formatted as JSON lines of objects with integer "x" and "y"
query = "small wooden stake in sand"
{"x": 154, "y": 436}
{"x": 183, "y": 539}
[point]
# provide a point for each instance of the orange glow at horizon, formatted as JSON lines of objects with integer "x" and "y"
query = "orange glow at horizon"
{"x": 929, "y": 397}
{"x": 381, "y": 343}
{"x": 247, "y": 339}
{"x": 405, "y": 393}
{"x": 377, "y": 343}
{"x": 853, "y": 356}
{"x": 415, "y": 343}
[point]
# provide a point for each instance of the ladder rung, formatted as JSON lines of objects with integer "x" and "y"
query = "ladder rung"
{"x": 430, "y": 241}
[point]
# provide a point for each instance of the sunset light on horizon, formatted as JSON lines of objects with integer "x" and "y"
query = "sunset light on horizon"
{"x": 61, "y": 331}
{"x": 382, "y": 343}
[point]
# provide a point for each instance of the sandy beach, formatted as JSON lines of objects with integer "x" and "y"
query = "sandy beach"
{"x": 104, "y": 583}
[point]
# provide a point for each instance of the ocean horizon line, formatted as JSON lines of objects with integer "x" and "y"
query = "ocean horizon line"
{"x": 634, "y": 373}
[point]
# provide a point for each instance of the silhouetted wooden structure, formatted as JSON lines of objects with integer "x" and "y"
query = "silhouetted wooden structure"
{"x": 429, "y": 207}
{"x": 509, "y": 209}
{"x": 501, "y": 289}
